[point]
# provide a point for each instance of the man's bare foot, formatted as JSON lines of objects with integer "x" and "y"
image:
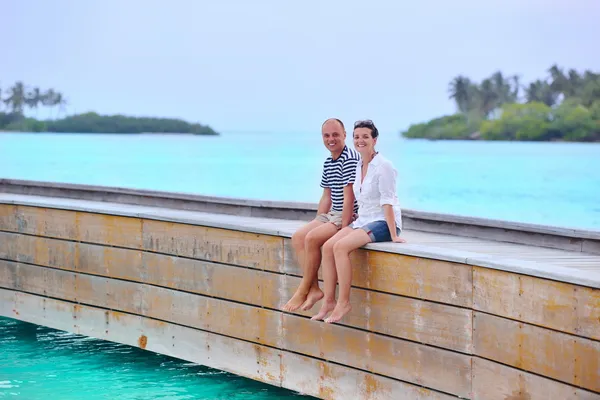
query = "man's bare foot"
{"x": 314, "y": 295}
{"x": 338, "y": 312}
{"x": 295, "y": 302}
{"x": 326, "y": 308}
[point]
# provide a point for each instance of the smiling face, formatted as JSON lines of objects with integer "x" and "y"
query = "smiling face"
{"x": 364, "y": 141}
{"x": 334, "y": 136}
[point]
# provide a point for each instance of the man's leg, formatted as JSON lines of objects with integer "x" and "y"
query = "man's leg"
{"x": 299, "y": 238}
{"x": 309, "y": 286}
{"x": 298, "y": 241}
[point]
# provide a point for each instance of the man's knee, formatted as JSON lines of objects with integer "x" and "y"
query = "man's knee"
{"x": 316, "y": 239}
{"x": 313, "y": 240}
{"x": 310, "y": 239}
{"x": 298, "y": 239}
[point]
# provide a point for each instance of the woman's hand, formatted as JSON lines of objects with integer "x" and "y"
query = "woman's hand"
{"x": 398, "y": 239}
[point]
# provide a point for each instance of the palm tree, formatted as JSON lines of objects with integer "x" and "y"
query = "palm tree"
{"x": 590, "y": 76}
{"x": 460, "y": 89}
{"x": 574, "y": 84}
{"x": 34, "y": 98}
{"x": 559, "y": 82}
{"x": 49, "y": 98}
{"x": 16, "y": 100}
{"x": 590, "y": 90}
{"x": 60, "y": 101}
{"x": 541, "y": 91}
{"x": 488, "y": 97}
{"x": 516, "y": 88}
{"x": 502, "y": 88}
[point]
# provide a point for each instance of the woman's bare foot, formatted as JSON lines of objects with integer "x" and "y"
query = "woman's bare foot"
{"x": 314, "y": 295}
{"x": 295, "y": 302}
{"x": 338, "y": 312}
{"x": 326, "y": 308}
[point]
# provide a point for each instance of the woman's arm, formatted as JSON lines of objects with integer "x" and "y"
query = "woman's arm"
{"x": 387, "y": 190}
{"x": 388, "y": 211}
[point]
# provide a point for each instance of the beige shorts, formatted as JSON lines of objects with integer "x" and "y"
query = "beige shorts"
{"x": 335, "y": 217}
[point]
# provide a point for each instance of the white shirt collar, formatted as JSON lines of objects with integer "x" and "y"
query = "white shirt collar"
{"x": 376, "y": 160}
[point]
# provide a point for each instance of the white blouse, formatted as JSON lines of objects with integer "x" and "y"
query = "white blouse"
{"x": 377, "y": 189}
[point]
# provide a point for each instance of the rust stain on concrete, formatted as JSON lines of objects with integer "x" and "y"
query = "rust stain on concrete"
{"x": 326, "y": 393}
{"x": 271, "y": 377}
{"x": 371, "y": 386}
{"x": 261, "y": 359}
{"x": 76, "y": 310}
{"x": 142, "y": 341}
{"x": 115, "y": 315}
{"x": 282, "y": 368}
{"x": 520, "y": 394}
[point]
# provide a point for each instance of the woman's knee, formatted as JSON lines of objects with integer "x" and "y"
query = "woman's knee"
{"x": 340, "y": 248}
{"x": 329, "y": 245}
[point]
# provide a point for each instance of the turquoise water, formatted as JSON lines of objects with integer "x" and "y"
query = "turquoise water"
{"x": 544, "y": 183}
{"x": 46, "y": 364}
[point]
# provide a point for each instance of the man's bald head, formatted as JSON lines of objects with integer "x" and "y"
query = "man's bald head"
{"x": 334, "y": 120}
{"x": 334, "y": 135}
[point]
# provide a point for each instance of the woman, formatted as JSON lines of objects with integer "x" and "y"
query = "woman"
{"x": 379, "y": 220}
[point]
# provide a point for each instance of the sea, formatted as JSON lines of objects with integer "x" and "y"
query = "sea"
{"x": 542, "y": 183}
{"x": 554, "y": 184}
{"x": 39, "y": 363}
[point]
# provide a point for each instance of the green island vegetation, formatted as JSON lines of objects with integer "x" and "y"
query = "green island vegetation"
{"x": 562, "y": 107}
{"x": 18, "y": 97}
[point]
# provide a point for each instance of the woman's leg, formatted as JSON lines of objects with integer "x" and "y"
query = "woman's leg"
{"x": 329, "y": 274}
{"x": 341, "y": 253}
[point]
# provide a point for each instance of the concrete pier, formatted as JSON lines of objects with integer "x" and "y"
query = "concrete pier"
{"x": 468, "y": 308}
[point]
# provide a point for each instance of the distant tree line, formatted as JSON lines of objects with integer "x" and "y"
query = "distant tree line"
{"x": 564, "y": 106}
{"x": 18, "y": 97}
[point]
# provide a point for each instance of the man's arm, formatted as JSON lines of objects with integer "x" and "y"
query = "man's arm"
{"x": 348, "y": 208}
{"x": 325, "y": 202}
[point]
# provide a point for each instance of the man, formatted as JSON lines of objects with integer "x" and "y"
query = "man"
{"x": 336, "y": 209}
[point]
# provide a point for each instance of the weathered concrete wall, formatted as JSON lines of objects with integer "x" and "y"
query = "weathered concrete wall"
{"x": 513, "y": 232}
{"x": 419, "y": 329}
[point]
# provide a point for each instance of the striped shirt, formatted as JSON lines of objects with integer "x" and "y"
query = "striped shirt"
{"x": 337, "y": 174}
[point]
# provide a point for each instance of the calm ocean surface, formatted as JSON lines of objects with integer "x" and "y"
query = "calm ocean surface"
{"x": 46, "y": 364}
{"x": 544, "y": 183}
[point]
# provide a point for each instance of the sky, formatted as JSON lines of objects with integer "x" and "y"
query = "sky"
{"x": 285, "y": 66}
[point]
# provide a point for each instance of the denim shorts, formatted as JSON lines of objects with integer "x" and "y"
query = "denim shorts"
{"x": 378, "y": 231}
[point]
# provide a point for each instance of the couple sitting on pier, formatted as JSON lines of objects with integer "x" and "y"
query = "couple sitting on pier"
{"x": 359, "y": 205}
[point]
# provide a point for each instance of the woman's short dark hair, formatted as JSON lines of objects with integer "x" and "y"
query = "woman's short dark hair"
{"x": 367, "y": 123}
